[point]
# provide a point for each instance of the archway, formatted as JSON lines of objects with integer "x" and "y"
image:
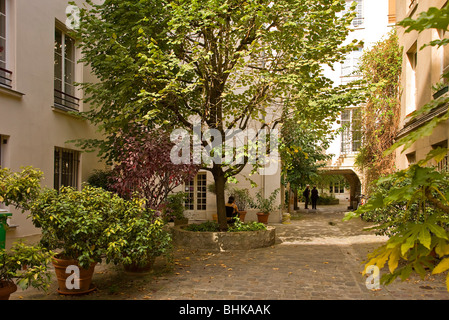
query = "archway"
{"x": 355, "y": 185}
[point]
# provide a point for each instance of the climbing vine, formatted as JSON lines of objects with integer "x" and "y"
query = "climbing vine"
{"x": 381, "y": 72}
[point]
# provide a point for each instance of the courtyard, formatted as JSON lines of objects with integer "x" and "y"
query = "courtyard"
{"x": 316, "y": 257}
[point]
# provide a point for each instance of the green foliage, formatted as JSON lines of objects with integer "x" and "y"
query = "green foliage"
{"x": 237, "y": 226}
{"x": 419, "y": 242}
{"x": 175, "y": 205}
{"x": 19, "y": 188}
{"x": 264, "y": 204}
{"x": 226, "y": 64}
{"x": 27, "y": 265}
{"x": 240, "y": 226}
{"x": 208, "y": 226}
{"x": 381, "y": 69}
{"x": 242, "y": 198}
{"x": 136, "y": 237}
{"x": 419, "y": 223}
{"x": 74, "y": 221}
{"x": 101, "y": 179}
{"x": 325, "y": 199}
{"x": 93, "y": 223}
{"x": 301, "y": 150}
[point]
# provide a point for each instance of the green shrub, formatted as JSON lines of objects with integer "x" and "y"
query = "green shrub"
{"x": 211, "y": 226}
{"x": 27, "y": 265}
{"x": 20, "y": 188}
{"x": 208, "y": 226}
{"x": 101, "y": 179}
{"x": 246, "y": 226}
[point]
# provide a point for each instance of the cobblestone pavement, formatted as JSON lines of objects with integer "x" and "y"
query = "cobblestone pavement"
{"x": 316, "y": 256}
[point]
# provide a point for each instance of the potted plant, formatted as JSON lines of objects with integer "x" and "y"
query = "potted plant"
{"x": 73, "y": 222}
{"x": 174, "y": 208}
{"x": 265, "y": 205}
{"x": 242, "y": 200}
{"x": 439, "y": 89}
{"x": 136, "y": 238}
{"x": 24, "y": 266}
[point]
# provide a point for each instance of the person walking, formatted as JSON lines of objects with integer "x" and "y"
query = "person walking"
{"x": 306, "y": 195}
{"x": 314, "y": 197}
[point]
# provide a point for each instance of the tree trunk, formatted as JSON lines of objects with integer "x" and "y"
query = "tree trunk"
{"x": 220, "y": 182}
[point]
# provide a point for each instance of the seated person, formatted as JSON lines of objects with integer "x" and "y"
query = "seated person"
{"x": 232, "y": 210}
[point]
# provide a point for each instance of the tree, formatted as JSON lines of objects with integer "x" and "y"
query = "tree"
{"x": 226, "y": 65}
{"x": 144, "y": 168}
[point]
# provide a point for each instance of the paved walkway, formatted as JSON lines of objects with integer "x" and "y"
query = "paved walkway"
{"x": 317, "y": 256}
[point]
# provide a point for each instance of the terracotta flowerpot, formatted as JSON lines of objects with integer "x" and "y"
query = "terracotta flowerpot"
{"x": 62, "y": 273}
{"x": 242, "y": 215}
{"x": 6, "y": 289}
{"x": 262, "y": 217}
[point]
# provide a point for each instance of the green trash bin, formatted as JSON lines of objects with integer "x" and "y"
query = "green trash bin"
{"x": 3, "y": 226}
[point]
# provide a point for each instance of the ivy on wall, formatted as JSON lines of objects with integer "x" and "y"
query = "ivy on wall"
{"x": 381, "y": 69}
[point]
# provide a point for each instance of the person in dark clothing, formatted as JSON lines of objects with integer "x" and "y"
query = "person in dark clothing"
{"x": 232, "y": 211}
{"x": 306, "y": 195}
{"x": 314, "y": 197}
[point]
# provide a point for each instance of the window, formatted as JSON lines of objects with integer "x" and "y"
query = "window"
{"x": 351, "y": 137}
{"x": 350, "y": 66}
{"x": 1, "y": 151}
{"x": 358, "y": 20}
{"x": 5, "y": 74}
{"x": 196, "y": 191}
{"x": 336, "y": 187}
{"x": 65, "y": 71}
{"x": 443, "y": 165}
{"x": 411, "y": 158}
{"x": 412, "y": 56}
{"x": 66, "y": 168}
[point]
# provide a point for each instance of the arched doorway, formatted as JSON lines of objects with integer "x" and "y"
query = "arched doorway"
{"x": 353, "y": 179}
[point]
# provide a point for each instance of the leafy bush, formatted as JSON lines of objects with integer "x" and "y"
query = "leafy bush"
{"x": 74, "y": 221}
{"x": 101, "y": 179}
{"x": 246, "y": 226}
{"x": 418, "y": 228}
{"x": 325, "y": 199}
{"x": 211, "y": 226}
{"x": 20, "y": 188}
{"x": 136, "y": 236}
{"x": 174, "y": 207}
{"x": 208, "y": 226}
{"x": 27, "y": 265}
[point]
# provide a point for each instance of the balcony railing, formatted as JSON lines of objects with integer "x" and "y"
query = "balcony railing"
{"x": 66, "y": 101}
{"x": 5, "y": 78}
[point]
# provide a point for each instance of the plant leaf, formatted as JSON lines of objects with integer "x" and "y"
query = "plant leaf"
{"x": 442, "y": 266}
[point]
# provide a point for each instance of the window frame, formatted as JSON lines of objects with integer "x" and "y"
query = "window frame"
{"x": 62, "y": 98}
{"x": 196, "y": 191}
{"x": 73, "y": 171}
{"x": 5, "y": 74}
{"x": 351, "y": 135}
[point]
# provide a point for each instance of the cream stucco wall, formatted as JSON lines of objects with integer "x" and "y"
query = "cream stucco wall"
{"x": 31, "y": 127}
{"x": 431, "y": 63}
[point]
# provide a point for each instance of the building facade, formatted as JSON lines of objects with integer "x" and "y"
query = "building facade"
{"x": 38, "y": 99}
{"x": 374, "y": 20}
{"x": 422, "y": 70}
